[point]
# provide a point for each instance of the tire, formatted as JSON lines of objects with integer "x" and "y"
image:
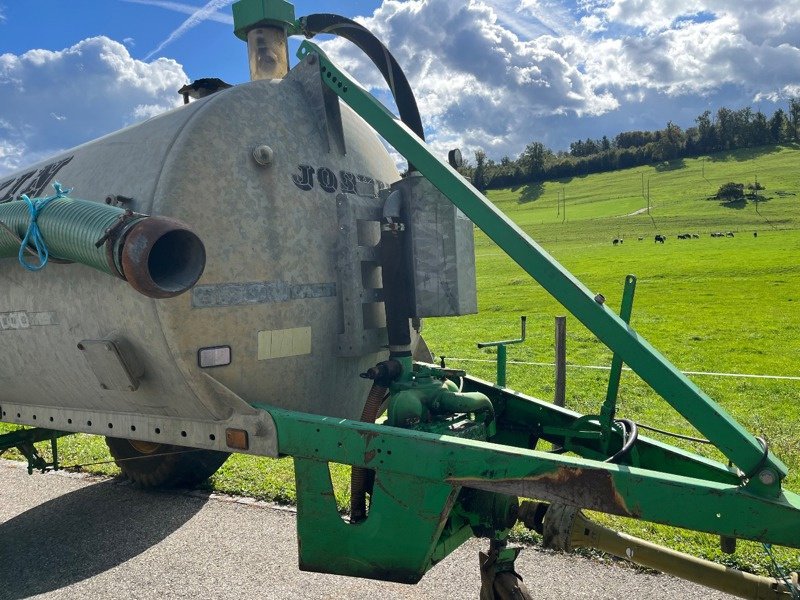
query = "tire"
{"x": 169, "y": 465}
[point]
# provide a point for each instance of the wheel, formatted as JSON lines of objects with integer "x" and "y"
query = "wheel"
{"x": 152, "y": 465}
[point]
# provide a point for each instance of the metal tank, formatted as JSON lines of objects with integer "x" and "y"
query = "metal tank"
{"x": 282, "y": 185}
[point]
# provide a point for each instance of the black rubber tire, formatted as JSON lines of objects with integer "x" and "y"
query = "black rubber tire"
{"x": 170, "y": 466}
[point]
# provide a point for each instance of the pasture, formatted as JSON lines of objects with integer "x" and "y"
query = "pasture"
{"x": 727, "y": 305}
{"x": 722, "y": 305}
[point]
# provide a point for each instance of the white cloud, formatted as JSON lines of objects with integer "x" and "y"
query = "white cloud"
{"x": 55, "y": 100}
{"x": 498, "y": 74}
{"x": 478, "y": 84}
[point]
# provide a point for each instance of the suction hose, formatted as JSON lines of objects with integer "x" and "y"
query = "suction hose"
{"x": 159, "y": 257}
{"x": 379, "y": 55}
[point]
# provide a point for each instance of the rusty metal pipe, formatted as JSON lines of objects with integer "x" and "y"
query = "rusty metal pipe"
{"x": 566, "y": 527}
{"x": 160, "y": 257}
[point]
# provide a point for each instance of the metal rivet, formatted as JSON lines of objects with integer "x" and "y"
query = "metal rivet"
{"x": 311, "y": 58}
{"x": 600, "y": 299}
{"x": 263, "y": 155}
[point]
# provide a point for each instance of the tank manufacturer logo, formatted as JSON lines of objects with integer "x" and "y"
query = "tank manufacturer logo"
{"x": 12, "y": 321}
{"x": 346, "y": 182}
{"x": 32, "y": 183}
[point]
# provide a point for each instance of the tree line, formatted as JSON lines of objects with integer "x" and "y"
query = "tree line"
{"x": 726, "y": 130}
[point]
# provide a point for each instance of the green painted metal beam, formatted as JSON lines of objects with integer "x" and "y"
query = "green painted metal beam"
{"x": 518, "y": 412}
{"x": 741, "y": 447}
{"x": 696, "y": 504}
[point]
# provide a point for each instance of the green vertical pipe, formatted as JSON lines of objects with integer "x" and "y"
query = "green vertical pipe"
{"x": 501, "y": 365}
{"x": 698, "y": 408}
{"x": 616, "y": 361}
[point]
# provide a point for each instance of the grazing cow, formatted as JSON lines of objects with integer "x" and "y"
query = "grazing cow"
{"x": 717, "y": 234}
{"x": 755, "y": 234}
{"x": 660, "y": 238}
{"x": 729, "y": 234}
{"x": 617, "y": 241}
{"x": 695, "y": 236}
{"x": 641, "y": 237}
{"x": 684, "y": 236}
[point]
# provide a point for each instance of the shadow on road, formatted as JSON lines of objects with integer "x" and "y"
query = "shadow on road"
{"x": 84, "y": 533}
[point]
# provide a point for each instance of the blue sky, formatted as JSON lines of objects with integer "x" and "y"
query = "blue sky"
{"x": 490, "y": 74}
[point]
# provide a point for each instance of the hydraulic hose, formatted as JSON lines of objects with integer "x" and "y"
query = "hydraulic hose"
{"x": 379, "y": 55}
{"x": 359, "y": 475}
{"x": 158, "y": 256}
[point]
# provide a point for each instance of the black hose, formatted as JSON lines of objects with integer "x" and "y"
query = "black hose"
{"x": 630, "y": 433}
{"x": 379, "y": 54}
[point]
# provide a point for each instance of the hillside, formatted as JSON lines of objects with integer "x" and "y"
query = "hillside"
{"x": 710, "y": 305}
{"x": 678, "y": 192}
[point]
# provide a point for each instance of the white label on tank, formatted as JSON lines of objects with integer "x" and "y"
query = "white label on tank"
{"x": 279, "y": 343}
{"x": 14, "y": 320}
{"x": 24, "y": 320}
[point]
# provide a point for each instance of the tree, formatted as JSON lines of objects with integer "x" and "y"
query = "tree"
{"x": 779, "y": 127}
{"x": 479, "y": 175}
{"x": 759, "y": 130}
{"x": 726, "y": 129}
{"x": 706, "y": 133}
{"x": 670, "y": 143}
{"x": 794, "y": 119}
{"x": 532, "y": 160}
{"x": 730, "y": 191}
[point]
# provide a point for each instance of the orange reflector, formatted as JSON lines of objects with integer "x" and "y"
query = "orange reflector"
{"x": 236, "y": 438}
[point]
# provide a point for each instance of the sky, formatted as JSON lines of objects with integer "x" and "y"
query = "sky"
{"x": 488, "y": 74}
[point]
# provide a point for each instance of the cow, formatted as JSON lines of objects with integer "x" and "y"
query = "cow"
{"x": 695, "y": 236}
{"x": 717, "y": 234}
{"x": 729, "y": 234}
{"x": 641, "y": 237}
{"x": 617, "y": 241}
{"x": 755, "y": 234}
{"x": 684, "y": 236}
{"x": 660, "y": 238}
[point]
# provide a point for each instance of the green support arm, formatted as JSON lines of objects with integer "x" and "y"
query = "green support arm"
{"x": 741, "y": 447}
{"x": 710, "y": 506}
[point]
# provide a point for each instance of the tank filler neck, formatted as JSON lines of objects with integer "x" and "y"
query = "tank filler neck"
{"x": 265, "y": 26}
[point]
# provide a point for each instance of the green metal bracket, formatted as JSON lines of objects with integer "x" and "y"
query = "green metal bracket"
{"x": 501, "y": 352}
{"x": 24, "y": 440}
{"x": 741, "y": 447}
{"x": 420, "y": 488}
{"x": 609, "y": 409}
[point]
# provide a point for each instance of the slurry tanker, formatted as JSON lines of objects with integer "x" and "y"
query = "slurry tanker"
{"x": 249, "y": 273}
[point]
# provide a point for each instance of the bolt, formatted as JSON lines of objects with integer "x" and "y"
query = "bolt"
{"x": 600, "y": 299}
{"x": 311, "y": 58}
{"x": 263, "y": 155}
{"x": 767, "y": 477}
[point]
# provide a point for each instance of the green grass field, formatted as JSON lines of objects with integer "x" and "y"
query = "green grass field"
{"x": 717, "y": 305}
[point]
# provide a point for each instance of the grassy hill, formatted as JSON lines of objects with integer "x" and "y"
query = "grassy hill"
{"x": 729, "y": 305}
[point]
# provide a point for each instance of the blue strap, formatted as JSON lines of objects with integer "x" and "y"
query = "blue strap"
{"x": 33, "y": 235}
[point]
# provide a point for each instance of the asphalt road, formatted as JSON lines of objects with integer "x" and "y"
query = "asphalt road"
{"x": 71, "y": 536}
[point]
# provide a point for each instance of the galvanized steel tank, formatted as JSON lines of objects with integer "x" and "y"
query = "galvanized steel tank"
{"x": 271, "y": 290}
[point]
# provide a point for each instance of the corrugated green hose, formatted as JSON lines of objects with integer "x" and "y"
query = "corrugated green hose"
{"x": 70, "y": 227}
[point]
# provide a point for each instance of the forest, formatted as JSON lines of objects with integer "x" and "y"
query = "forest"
{"x": 724, "y": 131}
